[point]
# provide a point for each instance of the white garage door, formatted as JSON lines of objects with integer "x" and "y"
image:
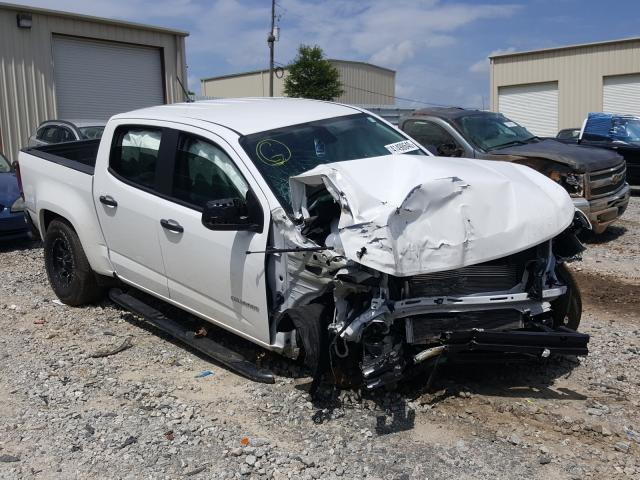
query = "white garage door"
{"x": 534, "y": 106}
{"x": 621, "y": 94}
{"x": 95, "y": 80}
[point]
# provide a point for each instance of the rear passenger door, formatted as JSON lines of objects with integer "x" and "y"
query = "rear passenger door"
{"x": 127, "y": 200}
{"x": 209, "y": 272}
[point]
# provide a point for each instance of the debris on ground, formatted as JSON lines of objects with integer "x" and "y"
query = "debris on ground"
{"x": 126, "y": 344}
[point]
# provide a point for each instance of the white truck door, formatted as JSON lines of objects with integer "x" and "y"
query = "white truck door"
{"x": 209, "y": 271}
{"x": 128, "y": 208}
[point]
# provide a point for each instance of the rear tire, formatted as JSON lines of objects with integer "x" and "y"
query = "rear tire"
{"x": 68, "y": 269}
{"x": 567, "y": 310}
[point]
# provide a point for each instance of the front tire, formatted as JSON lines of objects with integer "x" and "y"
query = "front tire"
{"x": 68, "y": 269}
{"x": 567, "y": 310}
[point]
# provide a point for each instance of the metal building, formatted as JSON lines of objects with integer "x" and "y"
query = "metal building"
{"x": 363, "y": 83}
{"x": 555, "y": 88}
{"x": 67, "y": 66}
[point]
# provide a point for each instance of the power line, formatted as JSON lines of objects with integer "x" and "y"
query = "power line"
{"x": 398, "y": 98}
{"x": 432, "y": 104}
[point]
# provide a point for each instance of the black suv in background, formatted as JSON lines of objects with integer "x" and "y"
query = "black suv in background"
{"x": 593, "y": 177}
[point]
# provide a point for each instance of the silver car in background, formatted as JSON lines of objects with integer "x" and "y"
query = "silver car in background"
{"x": 61, "y": 131}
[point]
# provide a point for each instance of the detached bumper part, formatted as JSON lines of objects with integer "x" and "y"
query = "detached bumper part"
{"x": 562, "y": 341}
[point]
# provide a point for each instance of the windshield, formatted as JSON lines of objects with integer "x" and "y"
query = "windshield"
{"x": 91, "y": 133}
{"x": 492, "y": 130}
{"x": 285, "y": 152}
{"x": 5, "y": 166}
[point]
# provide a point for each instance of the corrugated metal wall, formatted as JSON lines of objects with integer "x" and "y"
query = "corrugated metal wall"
{"x": 362, "y": 83}
{"x": 253, "y": 84}
{"x": 27, "y": 87}
{"x": 579, "y": 71}
{"x": 366, "y": 84}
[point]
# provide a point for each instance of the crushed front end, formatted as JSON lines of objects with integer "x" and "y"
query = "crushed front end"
{"x": 526, "y": 303}
{"x": 420, "y": 264}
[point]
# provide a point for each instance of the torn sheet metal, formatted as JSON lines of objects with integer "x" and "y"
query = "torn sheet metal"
{"x": 408, "y": 215}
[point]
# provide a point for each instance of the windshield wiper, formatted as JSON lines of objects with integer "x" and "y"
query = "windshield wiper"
{"x": 508, "y": 144}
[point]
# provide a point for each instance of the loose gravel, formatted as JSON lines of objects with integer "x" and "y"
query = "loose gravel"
{"x": 148, "y": 412}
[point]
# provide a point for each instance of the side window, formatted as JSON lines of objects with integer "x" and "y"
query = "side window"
{"x": 41, "y": 132}
{"x": 430, "y": 135}
{"x": 66, "y": 135}
{"x": 204, "y": 172}
{"x": 134, "y": 154}
{"x": 50, "y": 135}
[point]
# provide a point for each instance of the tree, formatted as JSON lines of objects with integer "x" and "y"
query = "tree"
{"x": 311, "y": 75}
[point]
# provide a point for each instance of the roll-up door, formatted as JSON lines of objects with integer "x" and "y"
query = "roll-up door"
{"x": 621, "y": 94}
{"x": 96, "y": 79}
{"x": 534, "y": 106}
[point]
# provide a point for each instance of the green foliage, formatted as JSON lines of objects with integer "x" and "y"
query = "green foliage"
{"x": 311, "y": 75}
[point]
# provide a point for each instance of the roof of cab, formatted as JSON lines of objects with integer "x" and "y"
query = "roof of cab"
{"x": 245, "y": 115}
{"x": 450, "y": 113}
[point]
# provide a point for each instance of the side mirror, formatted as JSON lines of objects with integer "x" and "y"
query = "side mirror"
{"x": 234, "y": 214}
{"x": 449, "y": 150}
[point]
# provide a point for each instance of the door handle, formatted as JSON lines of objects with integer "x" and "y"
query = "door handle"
{"x": 108, "y": 200}
{"x": 171, "y": 225}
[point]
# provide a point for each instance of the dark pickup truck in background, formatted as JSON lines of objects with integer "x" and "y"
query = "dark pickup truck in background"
{"x": 594, "y": 178}
{"x": 620, "y": 133}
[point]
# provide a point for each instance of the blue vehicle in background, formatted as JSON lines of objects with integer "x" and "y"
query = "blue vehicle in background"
{"x": 12, "y": 220}
{"x": 616, "y": 132}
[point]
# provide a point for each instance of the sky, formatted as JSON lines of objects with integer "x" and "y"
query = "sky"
{"x": 439, "y": 48}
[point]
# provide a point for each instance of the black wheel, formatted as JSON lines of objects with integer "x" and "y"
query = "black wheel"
{"x": 68, "y": 269}
{"x": 567, "y": 310}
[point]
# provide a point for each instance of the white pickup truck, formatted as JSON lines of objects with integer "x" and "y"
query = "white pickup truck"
{"x": 312, "y": 229}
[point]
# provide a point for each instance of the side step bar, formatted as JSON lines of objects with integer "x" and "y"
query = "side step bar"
{"x": 209, "y": 347}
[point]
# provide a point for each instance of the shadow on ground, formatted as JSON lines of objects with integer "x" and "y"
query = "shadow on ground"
{"x": 525, "y": 378}
{"x": 612, "y": 233}
{"x": 7, "y": 246}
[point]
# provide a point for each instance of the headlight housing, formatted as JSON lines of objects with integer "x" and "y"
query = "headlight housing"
{"x": 573, "y": 183}
{"x": 18, "y": 205}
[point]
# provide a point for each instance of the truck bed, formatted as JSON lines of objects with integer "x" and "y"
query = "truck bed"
{"x": 79, "y": 156}
{"x": 58, "y": 182}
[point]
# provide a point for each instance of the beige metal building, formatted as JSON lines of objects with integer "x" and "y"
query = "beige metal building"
{"x": 67, "y": 66}
{"x": 547, "y": 90}
{"x": 363, "y": 83}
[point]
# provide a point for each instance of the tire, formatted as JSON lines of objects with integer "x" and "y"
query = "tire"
{"x": 68, "y": 269}
{"x": 567, "y": 310}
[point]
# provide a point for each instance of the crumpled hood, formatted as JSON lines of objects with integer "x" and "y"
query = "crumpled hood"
{"x": 9, "y": 191}
{"x": 578, "y": 157}
{"x": 407, "y": 215}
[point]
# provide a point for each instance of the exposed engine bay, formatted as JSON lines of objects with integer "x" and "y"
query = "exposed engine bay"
{"x": 375, "y": 291}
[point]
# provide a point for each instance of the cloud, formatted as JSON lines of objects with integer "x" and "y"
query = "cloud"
{"x": 423, "y": 40}
{"x": 482, "y": 66}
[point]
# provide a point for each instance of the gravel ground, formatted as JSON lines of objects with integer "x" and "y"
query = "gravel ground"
{"x": 68, "y": 413}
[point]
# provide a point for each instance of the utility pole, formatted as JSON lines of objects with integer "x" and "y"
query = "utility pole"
{"x": 271, "y": 39}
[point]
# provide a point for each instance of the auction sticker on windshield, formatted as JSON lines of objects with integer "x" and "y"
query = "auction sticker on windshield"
{"x": 401, "y": 147}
